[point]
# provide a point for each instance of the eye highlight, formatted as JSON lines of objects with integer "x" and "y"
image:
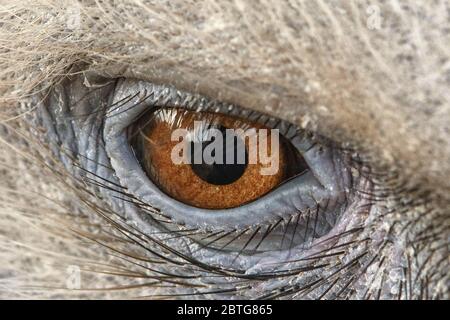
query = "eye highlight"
{"x": 246, "y": 159}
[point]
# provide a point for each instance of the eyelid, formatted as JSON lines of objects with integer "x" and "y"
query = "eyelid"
{"x": 297, "y": 195}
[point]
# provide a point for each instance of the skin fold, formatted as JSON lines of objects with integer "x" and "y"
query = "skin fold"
{"x": 373, "y": 78}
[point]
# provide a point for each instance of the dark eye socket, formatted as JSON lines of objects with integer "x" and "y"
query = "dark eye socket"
{"x": 218, "y": 170}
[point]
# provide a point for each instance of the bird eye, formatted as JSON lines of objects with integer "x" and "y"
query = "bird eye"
{"x": 211, "y": 160}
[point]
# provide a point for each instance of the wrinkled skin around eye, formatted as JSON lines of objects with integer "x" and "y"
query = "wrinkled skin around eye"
{"x": 341, "y": 261}
{"x": 380, "y": 85}
{"x": 291, "y": 222}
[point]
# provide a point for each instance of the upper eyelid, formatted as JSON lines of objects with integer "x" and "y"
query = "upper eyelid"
{"x": 214, "y": 90}
{"x": 174, "y": 97}
{"x": 226, "y": 94}
{"x": 218, "y": 91}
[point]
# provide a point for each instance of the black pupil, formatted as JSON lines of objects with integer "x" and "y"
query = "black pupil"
{"x": 220, "y": 173}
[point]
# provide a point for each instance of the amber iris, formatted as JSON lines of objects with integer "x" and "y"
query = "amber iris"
{"x": 208, "y": 185}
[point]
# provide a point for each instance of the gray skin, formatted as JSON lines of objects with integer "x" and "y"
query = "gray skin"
{"x": 381, "y": 90}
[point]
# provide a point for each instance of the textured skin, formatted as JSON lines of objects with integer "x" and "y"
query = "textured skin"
{"x": 326, "y": 66}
